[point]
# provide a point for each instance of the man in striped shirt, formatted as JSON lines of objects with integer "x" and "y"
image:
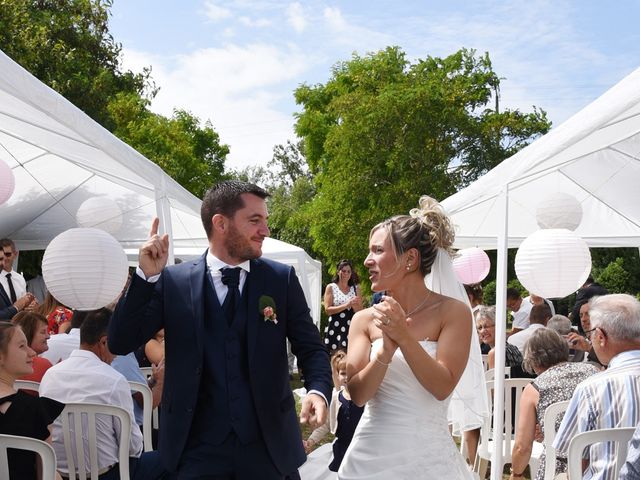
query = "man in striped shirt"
{"x": 609, "y": 399}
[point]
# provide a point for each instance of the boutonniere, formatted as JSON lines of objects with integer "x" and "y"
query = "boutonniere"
{"x": 267, "y": 308}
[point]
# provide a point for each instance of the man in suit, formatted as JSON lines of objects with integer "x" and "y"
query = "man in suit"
{"x": 227, "y": 408}
{"x": 9, "y": 306}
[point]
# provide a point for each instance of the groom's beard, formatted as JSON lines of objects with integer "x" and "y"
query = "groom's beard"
{"x": 239, "y": 247}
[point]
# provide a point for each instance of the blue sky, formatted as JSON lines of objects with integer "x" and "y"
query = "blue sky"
{"x": 237, "y": 62}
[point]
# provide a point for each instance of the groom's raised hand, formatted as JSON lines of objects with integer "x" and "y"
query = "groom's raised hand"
{"x": 313, "y": 410}
{"x": 154, "y": 252}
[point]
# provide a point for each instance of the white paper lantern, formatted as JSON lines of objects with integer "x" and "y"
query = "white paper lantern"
{"x": 7, "y": 182}
{"x": 100, "y": 212}
{"x": 471, "y": 265}
{"x": 560, "y": 210}
{"x": 553, "y": 263}
{"x": 85, "y": 268}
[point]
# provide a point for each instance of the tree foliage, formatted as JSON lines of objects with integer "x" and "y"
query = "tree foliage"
{"x": 382, "y": 131}
{"x": 67, "y": 45}
{"x": 191, "y": 153}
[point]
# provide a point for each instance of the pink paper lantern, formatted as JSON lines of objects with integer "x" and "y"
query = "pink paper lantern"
{"x": 7, "y": 182}
{"x": 471, "y": 265}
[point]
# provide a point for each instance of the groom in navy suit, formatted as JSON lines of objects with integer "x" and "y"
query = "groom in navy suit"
{"x": 227, "y": 408}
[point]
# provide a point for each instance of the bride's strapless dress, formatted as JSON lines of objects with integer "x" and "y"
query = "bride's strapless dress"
{"x": 403, "y": 432}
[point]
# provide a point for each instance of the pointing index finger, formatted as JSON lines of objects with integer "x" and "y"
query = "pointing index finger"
{"x": 154, "y": 227}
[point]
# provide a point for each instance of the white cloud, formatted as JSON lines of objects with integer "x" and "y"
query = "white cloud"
{"x": 296, "y": 17}
{"x": 214, "y": 12}
{"x": 334, "y": 18}
{"x": 250, "y": 22}
{"x": 238, "y": 88}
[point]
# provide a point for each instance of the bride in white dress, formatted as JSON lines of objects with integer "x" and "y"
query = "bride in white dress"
{"x": 406, "y": 356}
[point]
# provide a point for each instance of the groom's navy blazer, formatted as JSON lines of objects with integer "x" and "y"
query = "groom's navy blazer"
{"x": 7, "y": 310}
{"x": 176, "y": 303}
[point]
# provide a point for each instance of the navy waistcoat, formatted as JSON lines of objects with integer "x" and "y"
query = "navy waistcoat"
{"x": 225, "y": 402}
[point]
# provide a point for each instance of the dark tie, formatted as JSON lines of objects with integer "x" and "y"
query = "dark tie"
{"x": 231, "y": 278}
{"x": 12, "y": 291}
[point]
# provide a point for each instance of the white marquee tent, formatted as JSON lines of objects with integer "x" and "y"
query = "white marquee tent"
{"x": 595, "y": 157}
{"x": 60, "y": 157}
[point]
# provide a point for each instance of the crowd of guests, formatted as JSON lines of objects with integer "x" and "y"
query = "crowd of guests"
{"x": 591, "y": 360}
{"x": 66, "y": 353}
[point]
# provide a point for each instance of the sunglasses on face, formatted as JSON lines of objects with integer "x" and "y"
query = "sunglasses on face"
{"x": 7, "y": 254}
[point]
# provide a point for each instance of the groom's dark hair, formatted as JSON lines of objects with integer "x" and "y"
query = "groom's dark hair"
{"x": 225, "y": 198}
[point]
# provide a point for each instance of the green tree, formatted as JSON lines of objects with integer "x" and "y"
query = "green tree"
{"x": 67, "y": 45}
{"x": 383, "y": 131}
{"x": 292, "y": 189}
{"x": 614, "y": 277}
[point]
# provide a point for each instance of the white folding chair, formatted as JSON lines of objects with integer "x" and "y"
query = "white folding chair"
{"x": 550, "y": 416}
{"x": 147, "y": 406}
{"x": 43, "y": 449}
{"x": 147, "y": 372}
{"x": 26, "y": 385}
{"x": 620, "y": 436}
{"x": 489, "y": 439}
{"x": 79, "y": 423}
{"x": 491, "y": 373}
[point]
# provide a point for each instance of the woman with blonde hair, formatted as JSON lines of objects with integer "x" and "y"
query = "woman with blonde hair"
{"x": 408, "y": 353}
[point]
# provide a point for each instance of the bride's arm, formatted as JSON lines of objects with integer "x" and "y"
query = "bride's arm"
{"x": 440, "y": 375}
{"x": 365, "y": 374}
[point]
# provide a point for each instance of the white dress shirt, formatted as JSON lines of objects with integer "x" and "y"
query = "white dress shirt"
{"x": 83, "y": 377}
{"x": 19, "y": 284}
{"x": 61, "y": 345}
{"x": 520, "y": 338}
{"x": 521, "y": 316}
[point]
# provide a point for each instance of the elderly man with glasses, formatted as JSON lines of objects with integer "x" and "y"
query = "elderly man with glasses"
{"x": 13, "y": 288}
{"x": 610, "y": 398}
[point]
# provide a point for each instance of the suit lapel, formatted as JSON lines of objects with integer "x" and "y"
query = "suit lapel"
{"x": 197, "y": 280}
{"x": 255, "y": 286}
{"x": 5, "y": 297}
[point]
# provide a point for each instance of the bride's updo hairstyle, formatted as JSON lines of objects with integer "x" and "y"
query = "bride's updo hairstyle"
{"x": 426, "y": 229}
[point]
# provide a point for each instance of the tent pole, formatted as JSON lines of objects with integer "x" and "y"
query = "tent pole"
{"x": 500, "y": 329}
{"x": 163, "y": 211}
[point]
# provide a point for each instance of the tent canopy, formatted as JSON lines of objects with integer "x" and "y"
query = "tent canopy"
{"x": 594, "y": 156}
{"x": 60, "y": 157}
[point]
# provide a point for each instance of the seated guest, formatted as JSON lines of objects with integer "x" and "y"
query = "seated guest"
{"x": 545, "y": 354}
{"x": 560, "y": 324}
{"x": 538, "y": 318}
{"x": 590, "y": 289}
{"x": 487, "y": 331}
{"x": 86, "y": 376}
{"x": 62, "y": 344}
{"x": 34, "y": 327}
{"x": 127, "y": 365}
{"x": 152, "y": 352}
{"x": 610, "y": 398}
{"x": 581, "y": 343}
{"x": 631, "y": 468}
{"x": 22, "y": 414}
{"x": 58, "y": 316}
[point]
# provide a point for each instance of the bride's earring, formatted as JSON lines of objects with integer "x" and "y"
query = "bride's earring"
{"x": 408, "y": 266}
